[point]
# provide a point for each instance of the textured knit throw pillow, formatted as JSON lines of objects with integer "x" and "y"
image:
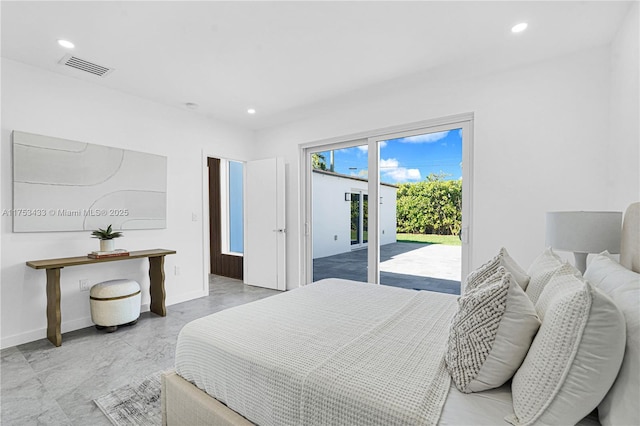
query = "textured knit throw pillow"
{"x": 490, "y": 334}
{"x": 573, "y": 359}
{"x": 541, "y": 271}
{"x": 503, "y": 259}
{"x": 561, "y": 274}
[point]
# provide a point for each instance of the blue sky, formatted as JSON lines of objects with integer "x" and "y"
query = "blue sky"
{"x": 409, "y": 159}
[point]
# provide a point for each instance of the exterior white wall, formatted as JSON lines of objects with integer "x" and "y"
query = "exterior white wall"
{"x": 540, "y": 133}
{"x": 38, "y": 101}
{"x": 388, "y": 213}
{"x": 624, "y": 141}
{"x": 332, "y": 214}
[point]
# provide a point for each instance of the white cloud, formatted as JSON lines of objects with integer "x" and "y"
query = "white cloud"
{"x": 390, "y": 169}
{"x": 365, "y": 148}
{"x": 427, "y": 138}
{"x": 402, "y": 174}
{"x": 364, "y": 174}
{"x": 391, "y": 163}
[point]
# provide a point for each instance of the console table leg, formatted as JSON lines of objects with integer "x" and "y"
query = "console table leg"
{"x": 53, "y": 306}
{"x": 156, "y": 288}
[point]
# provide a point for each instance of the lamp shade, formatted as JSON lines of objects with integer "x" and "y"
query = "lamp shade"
{"x": 584, "y": 232}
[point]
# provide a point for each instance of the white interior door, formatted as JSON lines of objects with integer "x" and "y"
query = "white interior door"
{"x": 265, "y": 233}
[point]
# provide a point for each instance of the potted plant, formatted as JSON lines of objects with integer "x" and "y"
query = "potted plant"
{"x": 106, "y": 237}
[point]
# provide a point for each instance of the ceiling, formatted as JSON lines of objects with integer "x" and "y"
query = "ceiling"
{"x": 279, "y": 57}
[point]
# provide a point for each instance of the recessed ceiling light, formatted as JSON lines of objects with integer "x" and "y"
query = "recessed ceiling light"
{"x": 251, "y": 111}
{"x": 66, "y": 44}
{"x": 518, "y": 28}
{"x": 191, "y": 105}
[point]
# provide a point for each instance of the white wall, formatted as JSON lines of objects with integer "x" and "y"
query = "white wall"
{"x": 540, "y": 135}
{"x": 388, "y": 214}
{"x": 45, "y": 103}
{"x": 332, "y": 214}
{"x": 624, "y": 141}
{"x": 560, "y": 134}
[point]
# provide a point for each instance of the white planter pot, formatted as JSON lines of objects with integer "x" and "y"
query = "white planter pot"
{"x": 107, "y": 245}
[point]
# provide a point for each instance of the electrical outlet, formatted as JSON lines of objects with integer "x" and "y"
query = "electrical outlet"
{"x": 194, "y": 217}
{"x": 176, "y": 270}
{"x": 84, "y": 285}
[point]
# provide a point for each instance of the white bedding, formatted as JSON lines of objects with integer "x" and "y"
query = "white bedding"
{"x": 486, "y": 408}
{"x": 332, "y": 352}
{"x": 268, "y": 360}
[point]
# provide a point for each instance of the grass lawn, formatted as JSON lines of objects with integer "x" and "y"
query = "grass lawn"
{"x": 449, "y": 240}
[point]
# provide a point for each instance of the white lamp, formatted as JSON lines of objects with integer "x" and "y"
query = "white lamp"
{"x": 584, "y": 233}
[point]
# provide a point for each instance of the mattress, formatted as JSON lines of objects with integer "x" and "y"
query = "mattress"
{"x": 335, "y": 351}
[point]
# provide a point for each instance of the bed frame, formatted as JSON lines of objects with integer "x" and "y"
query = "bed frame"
{"x": 184, "y": 403}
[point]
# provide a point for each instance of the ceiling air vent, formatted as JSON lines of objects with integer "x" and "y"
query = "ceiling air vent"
{"x": 86, "y": 66}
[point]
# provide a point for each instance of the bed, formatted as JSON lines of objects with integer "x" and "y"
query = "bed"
{"x": 341, "y": 352}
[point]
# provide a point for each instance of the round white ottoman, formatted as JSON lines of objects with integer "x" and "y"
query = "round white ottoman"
{"x": 114, "y": 303}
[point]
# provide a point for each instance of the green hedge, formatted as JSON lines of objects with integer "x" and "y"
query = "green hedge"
{"x": 433, "y": 206}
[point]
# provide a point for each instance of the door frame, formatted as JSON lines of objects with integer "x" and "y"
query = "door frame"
{"x": 372, "y": 137}
{"x": 204, "y": 215}
{"x": 221, "y": 260}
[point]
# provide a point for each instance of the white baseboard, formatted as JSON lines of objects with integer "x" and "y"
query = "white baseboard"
{"x": 186, "y": 297}
{"x": 77, "y": 324}
{"x": 33, "y": 335}
{"x": 18, "y": 339}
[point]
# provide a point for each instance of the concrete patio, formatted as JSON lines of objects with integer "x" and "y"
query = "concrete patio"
{"x": 433, "y": 267}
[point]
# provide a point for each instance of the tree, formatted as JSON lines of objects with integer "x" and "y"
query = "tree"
{"x": 433, "y": 206}
{"x": 318, "y": 161}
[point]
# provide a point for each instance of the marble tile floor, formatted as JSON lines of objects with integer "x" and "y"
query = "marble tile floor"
{"x": 44, "y": 385}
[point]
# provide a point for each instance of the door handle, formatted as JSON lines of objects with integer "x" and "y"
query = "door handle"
{"x": 282, "y": 231}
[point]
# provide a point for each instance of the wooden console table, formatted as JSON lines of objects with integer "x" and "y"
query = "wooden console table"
{"x": 53, "y": 266}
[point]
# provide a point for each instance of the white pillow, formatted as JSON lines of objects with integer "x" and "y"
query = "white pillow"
{"x": 621, "y": 406}
{"x": 540, "y": 272}
{"x": 503, "y": 259}
{"x": 573, "y": 359}
{"x": 558, "y": 275}
{"x": 490, "y": 334}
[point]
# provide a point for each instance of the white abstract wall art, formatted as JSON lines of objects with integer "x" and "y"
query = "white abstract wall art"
{"x": 64, "y": 185}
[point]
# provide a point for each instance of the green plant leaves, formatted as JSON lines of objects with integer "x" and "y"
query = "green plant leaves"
{"x": 433, "y": 206}
{"x": 106, "y": 234}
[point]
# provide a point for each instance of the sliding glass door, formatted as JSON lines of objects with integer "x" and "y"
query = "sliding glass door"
{"x": 420, "y": 187}
{"x": 359, "y": 219}
{"x": 416, "y": 233}
{"x": 339, "y": 212}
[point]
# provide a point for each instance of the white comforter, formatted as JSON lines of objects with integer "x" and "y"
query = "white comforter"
{"x": 334, "y": 352}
